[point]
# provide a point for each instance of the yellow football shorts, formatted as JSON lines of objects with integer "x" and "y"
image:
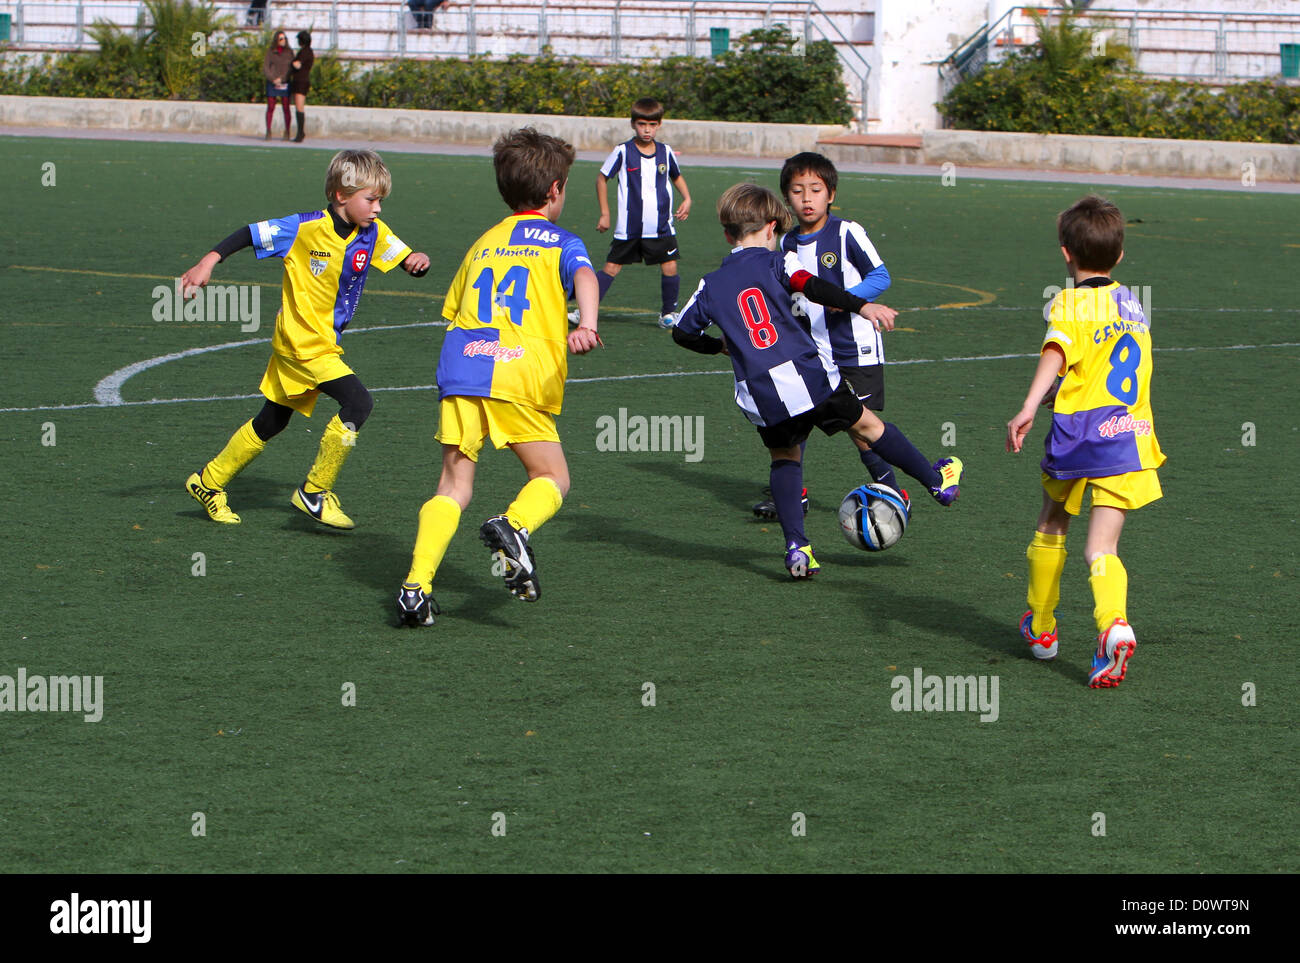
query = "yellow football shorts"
{"x": 1128, "y": 491}
{"x": 293, "y": 383}
{"x": 465, "y": 420}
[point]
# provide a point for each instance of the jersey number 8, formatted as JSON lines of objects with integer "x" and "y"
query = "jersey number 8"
{"x": 1125, "y": 358}
{"x": 758, "y": 319}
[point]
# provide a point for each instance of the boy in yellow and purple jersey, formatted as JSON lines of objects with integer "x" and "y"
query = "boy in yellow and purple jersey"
{"x": 1098, "y": 343}
{"x": 502, "y": 368}
{"x": 326, "y": 254}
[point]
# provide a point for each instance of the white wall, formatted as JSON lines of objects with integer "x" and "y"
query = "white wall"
{"x": 911, "y": 39}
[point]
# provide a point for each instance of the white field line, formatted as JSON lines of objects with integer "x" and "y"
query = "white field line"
{"x": 108, "y": 392}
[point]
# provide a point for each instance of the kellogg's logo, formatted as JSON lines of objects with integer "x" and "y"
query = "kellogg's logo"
{"x": 493, "y": 349}
{"x": 1118, "y": 425}
{"x": 360, "y": 259}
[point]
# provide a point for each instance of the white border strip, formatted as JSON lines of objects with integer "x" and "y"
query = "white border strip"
{"x": 108, "y": 391}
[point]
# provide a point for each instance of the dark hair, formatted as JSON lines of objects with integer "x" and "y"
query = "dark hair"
{"x": 809, "y": 162}
{"x": 527, "y": 163}
{"x": 647, "y": 108}
{"x": 304, "y": 38}
{"x": 1092, "y": 230}
{"x": 746, "y": 208}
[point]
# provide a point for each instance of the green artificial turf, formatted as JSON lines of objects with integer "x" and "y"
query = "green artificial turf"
{"x": 224, "y": 694}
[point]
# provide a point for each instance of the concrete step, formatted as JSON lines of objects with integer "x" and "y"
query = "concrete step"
{"x": 873, "y": 148}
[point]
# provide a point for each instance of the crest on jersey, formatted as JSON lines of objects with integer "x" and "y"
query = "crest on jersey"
{"x": 360, "y": 259}
{"x": 663, "y": 168}
{"x": 828, "y": 259}
{"x": 318, "y": 267}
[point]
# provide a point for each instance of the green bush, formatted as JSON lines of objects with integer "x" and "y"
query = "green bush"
{"x": 1058, "y": 87}
{"x": 761, "y": 80}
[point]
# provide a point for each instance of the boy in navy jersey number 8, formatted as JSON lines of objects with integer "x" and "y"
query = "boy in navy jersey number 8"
{"x": 783, "y": 384}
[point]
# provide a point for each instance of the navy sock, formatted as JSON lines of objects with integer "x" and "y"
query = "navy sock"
{"x": 669, "y": 288}
{"x": 787, "y": 493}
{"x": 879, "y": 469}
{"x": 894, "y": 447}
{"x": 604, "y": 280}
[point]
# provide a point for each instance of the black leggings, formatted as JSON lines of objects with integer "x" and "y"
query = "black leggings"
{"x": 355, "y": 405}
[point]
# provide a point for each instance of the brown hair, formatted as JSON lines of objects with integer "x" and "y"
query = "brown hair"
{"x": 808, "y": 162}
{"x": 356, "y": 170}
{"x": 1092, "y": 230}
{"x": 527, "y": 163}
{"x": 647, "y": 108}
{"x": 746, "y": 208}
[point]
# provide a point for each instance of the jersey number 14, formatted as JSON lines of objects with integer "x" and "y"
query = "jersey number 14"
{"x": 511, "y": 294}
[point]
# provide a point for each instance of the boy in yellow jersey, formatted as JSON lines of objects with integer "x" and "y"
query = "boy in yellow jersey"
{"x": 503, "y": 365}
{"x": 1098, "y": 343}
{"x": 326, "y": 256}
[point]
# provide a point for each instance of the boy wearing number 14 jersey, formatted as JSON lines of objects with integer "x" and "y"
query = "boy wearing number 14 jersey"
{"x": 502, "y": 368}
{"x": 1095, "y": 371}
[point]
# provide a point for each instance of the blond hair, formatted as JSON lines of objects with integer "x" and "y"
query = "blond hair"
{"x": 746, "y": 208}
{"x": 357, "y": 170}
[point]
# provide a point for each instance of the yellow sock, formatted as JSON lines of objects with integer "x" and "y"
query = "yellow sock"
{"x": 1046, "y": 554}
{"x": 1109, "y": 582}
{"x": 243, "y": 447}
{"x": 535, "y": 504}
{"x": 439, "y": 517}
{"x": 335, "y": 446}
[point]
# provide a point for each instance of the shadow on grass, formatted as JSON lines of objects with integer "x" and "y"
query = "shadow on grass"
{"x": 247, "y": 492}
{"x": 940, "y": 616}
{"x": 380, "y": 562}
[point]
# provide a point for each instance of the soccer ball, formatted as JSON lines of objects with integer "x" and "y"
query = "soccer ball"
{"x": 873, "y": 517}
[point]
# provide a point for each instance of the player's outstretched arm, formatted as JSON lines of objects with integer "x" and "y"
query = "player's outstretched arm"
{"x": 199, "y": 275}
{"x": 416, "y": 264}
{"x": 684, "y": 208}
{"x": 602, "y": 198}
{"x": 587, "y": 293}
{"x": 1049, "y": 364}
{"x": 833, "y": 296}
{"x": 881, "y": 315}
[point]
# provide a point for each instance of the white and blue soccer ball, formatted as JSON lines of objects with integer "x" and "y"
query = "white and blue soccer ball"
{"x": 873, "y": 517}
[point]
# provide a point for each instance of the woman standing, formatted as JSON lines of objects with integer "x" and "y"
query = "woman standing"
{"x": 301, "y": 82}
{"x": 276, "y": 68}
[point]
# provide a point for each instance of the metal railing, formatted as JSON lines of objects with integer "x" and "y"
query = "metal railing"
{"x": 609, "y": 31}
{"x": 1210, "y": 47}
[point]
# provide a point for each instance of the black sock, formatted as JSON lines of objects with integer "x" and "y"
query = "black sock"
{"x": 787, "y": 494}
{"x": 879, "y": 469}
{"x": 300, "y": 121}
{"x": 604, "y": 281}
{"x": 669, "y": 287}
{"x": 894, "y": 447}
